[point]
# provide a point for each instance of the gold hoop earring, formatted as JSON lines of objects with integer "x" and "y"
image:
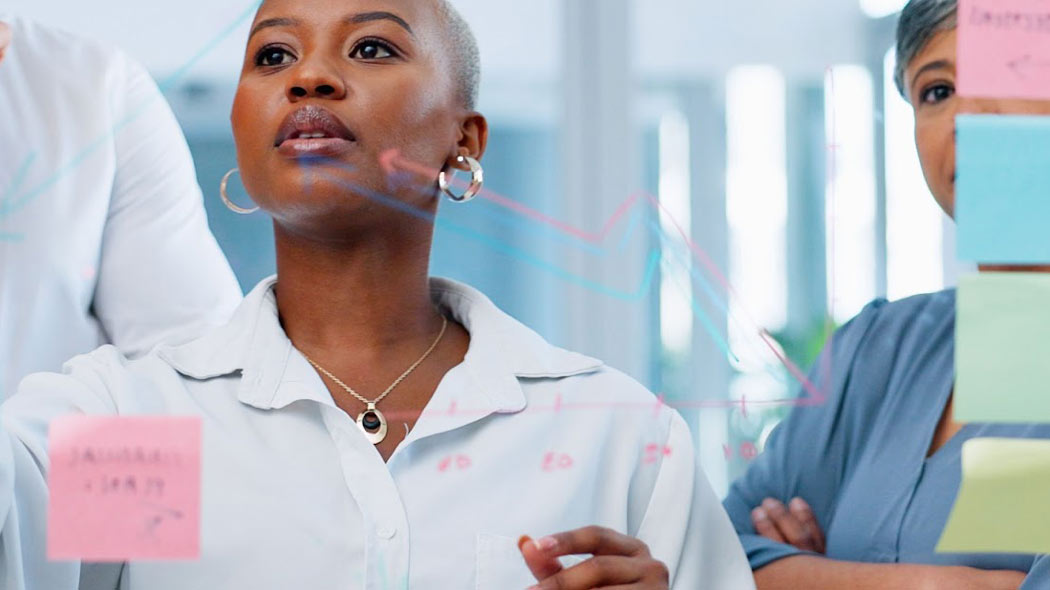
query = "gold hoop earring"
{"x": 477, "y": 180}
{"x": 226, "y": 200}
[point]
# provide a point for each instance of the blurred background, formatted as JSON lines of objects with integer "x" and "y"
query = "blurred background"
{"x": 710, "y": 186}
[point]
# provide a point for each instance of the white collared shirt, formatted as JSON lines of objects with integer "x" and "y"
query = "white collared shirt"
{"x": 103, "y": 236}
{"x": 520, "y": 438}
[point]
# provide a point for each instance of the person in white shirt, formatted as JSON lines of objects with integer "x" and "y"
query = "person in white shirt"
{"x": 471, "y": 431}
{"x": 103, "y": 236}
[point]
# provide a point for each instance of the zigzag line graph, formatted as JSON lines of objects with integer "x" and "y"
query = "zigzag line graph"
{"x": 394, "y": 164}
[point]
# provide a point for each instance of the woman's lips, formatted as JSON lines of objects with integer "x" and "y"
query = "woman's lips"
{"x": 314, "y": 147}
{"x": 312, "y": 131}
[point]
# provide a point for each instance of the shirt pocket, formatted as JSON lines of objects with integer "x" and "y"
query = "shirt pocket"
{"x": 500, "y": 565}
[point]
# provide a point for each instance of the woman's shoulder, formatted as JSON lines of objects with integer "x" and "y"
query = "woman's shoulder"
{"x": 883, "y": 322}
{"x": 63, "y": 52}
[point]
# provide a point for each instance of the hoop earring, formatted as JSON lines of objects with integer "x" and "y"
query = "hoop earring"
{"x": 477, "y": 180}
{"x": 226, "y": 200}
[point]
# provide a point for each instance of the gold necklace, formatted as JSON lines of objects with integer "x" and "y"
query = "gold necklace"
{"x": 372, "y": 422}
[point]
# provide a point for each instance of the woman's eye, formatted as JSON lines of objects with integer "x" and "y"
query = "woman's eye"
{"x": 937, "y": 94}
{"x": 273, "y": 56}
{"x": 371, "y": 50}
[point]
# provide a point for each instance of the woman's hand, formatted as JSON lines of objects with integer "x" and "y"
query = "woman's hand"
{"x": 618, "y": 560}
{"x": 794, "y": 525}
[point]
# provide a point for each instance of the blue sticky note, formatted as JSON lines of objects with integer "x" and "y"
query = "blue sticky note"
{"x": 1002, "y": 189}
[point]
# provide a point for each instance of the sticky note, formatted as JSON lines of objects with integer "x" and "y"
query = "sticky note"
{"x": 1001, "y": 329}
{"x": 1004, "y": 48}
{"x": 1001, "y": 505}
{"x": 124, "y": 489}
{"x": 1002, "y": 189}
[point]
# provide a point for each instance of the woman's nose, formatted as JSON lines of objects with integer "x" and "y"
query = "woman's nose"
{"x": 315, "y": 80}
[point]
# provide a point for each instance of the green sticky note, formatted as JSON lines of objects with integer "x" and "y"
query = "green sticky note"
{"x": 1002, "y": 348}
{"x": 1001, "y": 507}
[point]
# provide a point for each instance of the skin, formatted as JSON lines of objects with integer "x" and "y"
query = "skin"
{"x": 5, "y": 39}
{"x": 931, "y": 91}
{"x": 353, "y": 293}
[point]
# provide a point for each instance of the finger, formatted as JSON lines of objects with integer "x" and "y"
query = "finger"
{"x": 804, "y": 514}
{"x": 603, "y": 570}
{"x": 541, "y": 565}
{"x": 592, "y": 540}
{"x": 788, "y": 525}
{"x": 765, "y": 527}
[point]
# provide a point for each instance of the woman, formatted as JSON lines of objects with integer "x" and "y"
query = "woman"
{"x": 451, "y": 460}
{"x": 878, "y": 466}
{"x": 103, "y": 236}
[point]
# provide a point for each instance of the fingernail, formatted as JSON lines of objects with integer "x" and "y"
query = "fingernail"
{"x": 546, "y": 543}
{"x": 521, "y": 542}
{"x": 770, "y": 504}
{"x": 798, "y": 504}
{"x": 760, "y": 514}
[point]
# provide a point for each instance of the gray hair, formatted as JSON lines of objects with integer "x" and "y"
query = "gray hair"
{"x": 920, "y": 21}
{"x": 466, "y": 57}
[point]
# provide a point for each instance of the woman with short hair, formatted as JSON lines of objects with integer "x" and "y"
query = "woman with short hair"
{"x": 366, "y": 426}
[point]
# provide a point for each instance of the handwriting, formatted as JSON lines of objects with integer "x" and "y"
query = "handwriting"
{"x": 1010, "y": 20}
{"x": 556, "y": 462}
{"x": 653, "y": 453}
{"x": 457, "y": 462}
{"x": 748, "y": 451}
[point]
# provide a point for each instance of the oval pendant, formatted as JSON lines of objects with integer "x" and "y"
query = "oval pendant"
{"x": 372, "y": 423}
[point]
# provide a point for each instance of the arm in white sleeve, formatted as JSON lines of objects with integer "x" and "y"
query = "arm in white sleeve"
{"x": 162, "y": 276}
{"x": 24, "y": 465}
{"x": 686, "y": 527}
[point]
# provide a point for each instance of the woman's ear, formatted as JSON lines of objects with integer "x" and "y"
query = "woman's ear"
{"x": 473, "y": 139}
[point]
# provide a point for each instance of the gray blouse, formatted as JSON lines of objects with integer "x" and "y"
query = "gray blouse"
{"x": 860, "y": 458}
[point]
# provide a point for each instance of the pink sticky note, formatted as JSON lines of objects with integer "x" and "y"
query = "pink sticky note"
{"x": 1004, "y": 49}
{"x": 124, "y": 488}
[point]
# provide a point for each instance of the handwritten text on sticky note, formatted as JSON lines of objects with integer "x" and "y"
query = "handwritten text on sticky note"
{"x": 1004, "y": 48}
{"x": 124, "y": 488}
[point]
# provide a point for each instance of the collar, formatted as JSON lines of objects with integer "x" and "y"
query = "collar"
{"x": 502, "y": 352}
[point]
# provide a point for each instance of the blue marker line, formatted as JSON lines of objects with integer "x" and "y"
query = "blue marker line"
{"x": 498, "y": 245}
{"x": 708, "y": 325}
{"x": 170, "y": 81}
{"x": 652, "y": 263}
{"x": 17, "y": 181}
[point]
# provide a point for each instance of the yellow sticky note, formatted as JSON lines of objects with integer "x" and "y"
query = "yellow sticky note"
{"x": 1001, "y": 506}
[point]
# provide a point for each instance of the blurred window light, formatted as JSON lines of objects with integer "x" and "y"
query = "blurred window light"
{"x": 850, "y": 191}
{"x": 881, "y": 8}
{"x": 914, "y": 222}
{"x": 756, "y": 204}
{"x": 676, "y": 314}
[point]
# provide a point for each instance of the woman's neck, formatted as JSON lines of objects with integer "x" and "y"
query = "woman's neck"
{"x": 371, "y": 294}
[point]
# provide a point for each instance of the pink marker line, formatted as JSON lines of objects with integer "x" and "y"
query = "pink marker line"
{"x": 391, "y": 160}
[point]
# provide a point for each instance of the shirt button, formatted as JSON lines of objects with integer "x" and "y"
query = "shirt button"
{"x": 386, "y": 532}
